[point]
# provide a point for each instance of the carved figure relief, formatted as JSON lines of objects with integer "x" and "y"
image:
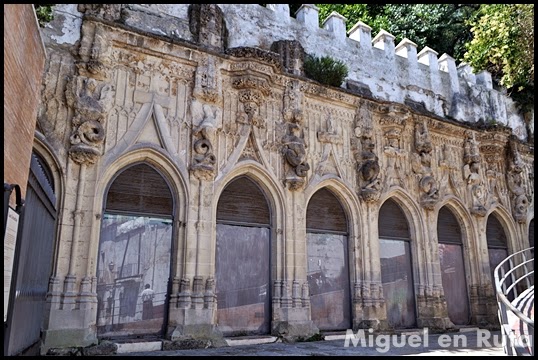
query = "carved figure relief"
{"x": 368, "y": 163}
{"x": 394, "y": 154}
{"x": 471, "y": 175}
{"x": 514, "y": 180}
{"x": 90, "y": 101}
{"x": 204, "y": 136}
{"x": 421, "y": 165}
{"x": 448, "y": 166}
{"x": 295, "y": 150}
{"x": 294, "y": 145}
{"x": 252, "y": 91}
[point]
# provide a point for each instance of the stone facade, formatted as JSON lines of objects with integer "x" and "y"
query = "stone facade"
{"x": 201, "y": 94}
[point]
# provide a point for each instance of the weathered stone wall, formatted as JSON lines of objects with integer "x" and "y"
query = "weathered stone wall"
{"x": 203, "y": 109}
{"x": 24, "y": 59}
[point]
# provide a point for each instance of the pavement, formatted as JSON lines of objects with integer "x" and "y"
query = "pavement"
{"x": 466, "y": 342}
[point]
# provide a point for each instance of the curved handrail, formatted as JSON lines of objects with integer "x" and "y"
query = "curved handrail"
{"x": 503, "y": 288}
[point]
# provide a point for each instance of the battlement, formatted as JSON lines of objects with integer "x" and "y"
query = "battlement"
{"x": 388, "y": 71}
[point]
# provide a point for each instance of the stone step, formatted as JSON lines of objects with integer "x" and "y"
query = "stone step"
{"x": 141, "y": 346}
{"x": 251, "y": 340}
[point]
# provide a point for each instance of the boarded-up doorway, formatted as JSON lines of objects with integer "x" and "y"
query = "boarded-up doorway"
{"x": 243, "y": 260}
{"x": 396, "y": 266}
{"x": 328, "y": 264}
{"x": 135, "y": 247}
{"x": 452, "y": 267}
{"x": 497, "y": 245}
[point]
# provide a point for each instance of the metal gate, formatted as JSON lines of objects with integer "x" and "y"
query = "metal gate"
{"x": 33, "y": 264}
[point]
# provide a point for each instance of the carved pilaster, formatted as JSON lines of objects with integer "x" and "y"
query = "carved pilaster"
{"x": 293, "y": 143}
{"x": 514, "y": 180}
{"x": 421, "y": 163}
{"x": 471, "y": 175}
{"x": 368, "y": 167}
{"x": 207, "y": 84}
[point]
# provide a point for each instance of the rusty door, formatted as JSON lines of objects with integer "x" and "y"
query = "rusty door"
{"x": 453, "y": 267}
{"x": 243, "y": 260}
{"x": 133, "y": 265}
{"x": 328, "y": 263}
{"x": 396, "y": 266}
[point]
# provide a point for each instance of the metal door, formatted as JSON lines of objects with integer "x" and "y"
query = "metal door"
{"x": 397, "y": 279}
{"x": 396, "y": 266}
{"x": 453, "y": 267}
{"x": 243, "y": 253}
{"x": 328, "y": 264}
{"x": 243, "y": 302}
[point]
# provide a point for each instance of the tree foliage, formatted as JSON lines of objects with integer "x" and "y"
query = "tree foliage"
{"x": 494, "y": 37}
{"x": 503, "y": 44}
{"x": 43, "y": 13}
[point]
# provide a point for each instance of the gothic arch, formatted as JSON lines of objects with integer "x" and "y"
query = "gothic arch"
{"x": 169, "y": 171}
{"x": 275, "y": 199}
{"x": 507, "y": 221}
{"x": 350, "y": 203}
{"x": 468, "y": 230}
{"x": 417, "y": 230}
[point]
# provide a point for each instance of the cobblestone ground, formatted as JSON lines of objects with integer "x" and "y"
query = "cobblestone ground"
{"x": 472, "y": 343}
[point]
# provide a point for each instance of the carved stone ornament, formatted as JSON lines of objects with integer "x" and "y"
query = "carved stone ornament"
{"x": 368, "y": 163}
{"x": 294, "y": 146}
{"x": 471, "y": 175}
{"x": 90, "y": 101}
{"x": 294, "y": 151}
{"x": 204, "y": 136}
{"x": 394, "y": 154}
{"x": 252, "y": 91}
{"x": 207, "y": 24}
{"x": 421, "y": 165}
{"x": 206, "y": 84}
{"x": 514, "y": 180}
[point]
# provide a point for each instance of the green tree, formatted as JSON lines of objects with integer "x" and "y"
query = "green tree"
{"x": 503, "y": 44}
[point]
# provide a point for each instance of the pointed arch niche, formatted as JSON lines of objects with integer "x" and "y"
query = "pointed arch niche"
{"x": 243, "y": 259}
{"x": 396, "y": 266}
{"x": 328, "y": 262}
{"x": 134, "y": 259}
{"x": 452, "y": 265}
{"x": 497, "y": 243}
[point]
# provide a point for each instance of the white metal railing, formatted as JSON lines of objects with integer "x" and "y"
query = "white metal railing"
{"x": 514, "y": 287}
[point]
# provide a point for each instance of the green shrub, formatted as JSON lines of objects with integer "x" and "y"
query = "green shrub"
{"x": 43, "y": 13}
{"x": 326, "y": 70}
